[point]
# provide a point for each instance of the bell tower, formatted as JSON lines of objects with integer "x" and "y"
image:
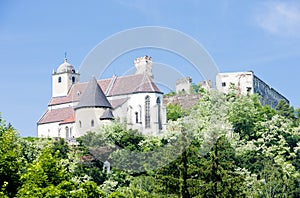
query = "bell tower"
{"x": 63, "y": 79}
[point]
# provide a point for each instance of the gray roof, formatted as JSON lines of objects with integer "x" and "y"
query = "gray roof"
{"x": 107, "y": 115}
{"x": 93, "y": 96}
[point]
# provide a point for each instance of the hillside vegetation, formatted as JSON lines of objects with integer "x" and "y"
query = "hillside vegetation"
{"x": 225, "y": 146}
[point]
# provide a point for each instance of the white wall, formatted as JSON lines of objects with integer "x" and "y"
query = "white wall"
{"x": 68, "y": 130}
{"x": 85, "y": 116}
{"x": 243, "y": 82}
{"x": 56, "y": 130}
{"x": 48, "y": 130}
{"x": 137, "y": 104}
{"x": 62, "y": 88}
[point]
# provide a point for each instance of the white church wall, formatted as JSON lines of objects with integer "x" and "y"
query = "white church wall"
{"x": 119, "y": 112}
{"x": 60, "y": 84}
{"x": 48, "y": 130}
{"x": 88, "y": 119}
{"x": 59, "y": 106}
{"x": 138, "y": 112}
{"x": 67, "y": 131}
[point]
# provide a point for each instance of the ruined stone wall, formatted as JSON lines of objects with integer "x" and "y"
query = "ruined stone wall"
{"x": 185, "y": 100}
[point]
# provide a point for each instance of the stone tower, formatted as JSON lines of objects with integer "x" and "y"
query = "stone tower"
{"x": 184, "y": 85}
{"x": 144, "y": 65}
{"x": 63, "y": 79}
{"x": 93, "y": 109}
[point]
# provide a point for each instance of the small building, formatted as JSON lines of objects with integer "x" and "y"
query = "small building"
{"x": 248, "y": 83}
{"x": 77, "y": 107}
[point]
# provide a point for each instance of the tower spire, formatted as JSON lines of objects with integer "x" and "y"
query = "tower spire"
{"x": 65, "y": 57}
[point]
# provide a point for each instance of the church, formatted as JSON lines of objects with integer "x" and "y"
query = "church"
{"x": 78, "y": 107}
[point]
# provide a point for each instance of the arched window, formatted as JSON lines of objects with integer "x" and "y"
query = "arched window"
{"x": 71, "y": 132}
{"x": 73, "y": 79}
{"x": 59, "y": 79}
{"x": 92, "y": 123}
{"x": 129, "y": 115}
{"x": 158, "y": 113}
{"x": 79, "y": 124}
{"x": 147, "y": 112}
{"x": 140, "y": 113}
{"x": 136, "y": 117}
{"x": 67, "y": 132}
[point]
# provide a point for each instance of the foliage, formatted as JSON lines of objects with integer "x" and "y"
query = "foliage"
{"x": 10, "y": 160}
{"x": 175, "y": 111}
{"x": 225, "y": 146}
{"x": 171, "y": 93}
{"x": 285, "y": 110}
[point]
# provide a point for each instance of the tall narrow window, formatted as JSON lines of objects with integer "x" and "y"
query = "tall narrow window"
{"x": 92, "y": 123}
{"x": 147, "y": 112}
{"x": 79, "y": 124}
{"x": 71, "y": 132}
{"x": 136, "y": 117}
{"x": 73, "y": 79}
{"x": 140, "y": 114}
{"x": 59, "y": 79}
{"x": 158, "y": 113}
{"x": 129, "y": 115}
{"x": 67, "y": 132}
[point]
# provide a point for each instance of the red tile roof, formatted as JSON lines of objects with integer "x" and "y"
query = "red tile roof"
{"x": 117, "y": 102}
{"x": 56, "y": 115}
{"x": 117, "y": 86}
{"x": 146, "y": 85}
{"x": 76, "y": 92}
{"x": 68, "y": 120}
{"x": 133, "y": 84}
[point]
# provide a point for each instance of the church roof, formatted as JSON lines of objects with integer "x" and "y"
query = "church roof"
{"x": 117, "y": 102}
{"x": 146, "y": 85}
{"x": 121, "y": 85}
{"x": 56, "y": 115}
{"x": 67, "y": 115}
{"x": 107, "y": 115}
{"x": 70, "y": 119}
{"x": 65, "y": 67}
{"x": 93, "y": 96}
{"x": 133, "y": 84}
{"x": 77, "y": 91}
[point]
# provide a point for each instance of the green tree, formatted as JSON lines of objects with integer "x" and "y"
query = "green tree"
{"x": 174, "y": 112}
{"x": 45, "y": 172}
{"x": 219, "y": 172}
{"x": 285, "y": 110}
{"x": 10, "y": 159}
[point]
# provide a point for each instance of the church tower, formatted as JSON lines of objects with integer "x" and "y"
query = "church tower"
{"x": 143, "y": 65}
{"x": 93, "y": 109}
{"x": 63, "y": 79}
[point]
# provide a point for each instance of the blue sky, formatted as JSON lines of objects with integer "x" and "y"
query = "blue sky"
{"x": 263, "y": 36}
